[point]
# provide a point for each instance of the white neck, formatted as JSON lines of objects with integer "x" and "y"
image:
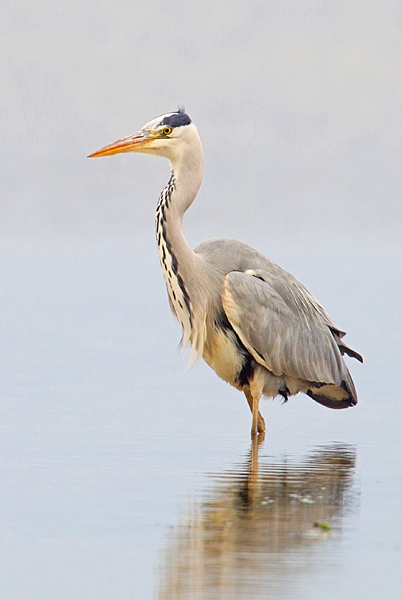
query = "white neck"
{"x": 180, "y": 265}
{"x": 188, "y": 165}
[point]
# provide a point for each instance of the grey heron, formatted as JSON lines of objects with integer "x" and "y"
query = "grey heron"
{"x": 250, "y": 320}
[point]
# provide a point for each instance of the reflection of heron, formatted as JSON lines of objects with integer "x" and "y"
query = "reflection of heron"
{"x": 252, "y": 533}
{"x": 252, "y": 322}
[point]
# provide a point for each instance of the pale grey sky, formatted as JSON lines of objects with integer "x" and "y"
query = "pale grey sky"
{"x": 298, "y": 104}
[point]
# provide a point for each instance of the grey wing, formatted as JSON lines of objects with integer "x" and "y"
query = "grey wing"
{"x": 284, "y": 328}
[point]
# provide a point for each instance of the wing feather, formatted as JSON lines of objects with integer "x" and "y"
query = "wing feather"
{"x": 283, "y": 327}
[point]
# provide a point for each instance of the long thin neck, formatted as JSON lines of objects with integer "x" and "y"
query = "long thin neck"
{"x": 180, "y": 265}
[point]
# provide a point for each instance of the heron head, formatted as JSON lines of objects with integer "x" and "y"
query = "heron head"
{"x": 167, "y": 135}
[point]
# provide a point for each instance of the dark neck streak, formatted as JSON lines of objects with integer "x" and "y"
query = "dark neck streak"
{"x": 179, "y": 298}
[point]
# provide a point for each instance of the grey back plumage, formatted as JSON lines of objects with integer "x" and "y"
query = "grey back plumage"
{"x": 277, "y": 319}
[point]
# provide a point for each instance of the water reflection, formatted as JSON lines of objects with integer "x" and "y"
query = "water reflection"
{"x": 259, "y": 529}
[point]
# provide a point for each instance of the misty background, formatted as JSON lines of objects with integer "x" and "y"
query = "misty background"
{"x": 297, "y": 104}
{"x": 103, "y": 439}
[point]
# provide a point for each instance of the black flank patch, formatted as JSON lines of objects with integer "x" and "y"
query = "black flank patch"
{"x": 248, "y": 366}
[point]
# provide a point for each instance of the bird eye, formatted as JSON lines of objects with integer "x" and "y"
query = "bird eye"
{"x": 167, "y": 130}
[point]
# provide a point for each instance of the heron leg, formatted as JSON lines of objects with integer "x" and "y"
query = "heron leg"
{"x": 258, "y": 423}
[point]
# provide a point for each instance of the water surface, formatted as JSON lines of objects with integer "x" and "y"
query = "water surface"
{"x": 122, "y": 477}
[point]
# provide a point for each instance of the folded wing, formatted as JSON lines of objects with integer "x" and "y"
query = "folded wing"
{"x": 287, "y": 330}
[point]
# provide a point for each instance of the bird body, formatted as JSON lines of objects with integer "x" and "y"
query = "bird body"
{"x": 249, "y": 319}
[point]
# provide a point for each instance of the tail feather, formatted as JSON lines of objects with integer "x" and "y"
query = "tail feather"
{"x": 352, "y": 353}
{"x": 343, "y": 347}
{"x": 333, "y": 396}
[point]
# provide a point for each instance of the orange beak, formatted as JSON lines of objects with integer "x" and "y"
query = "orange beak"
{"x": 132, "y": 143}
